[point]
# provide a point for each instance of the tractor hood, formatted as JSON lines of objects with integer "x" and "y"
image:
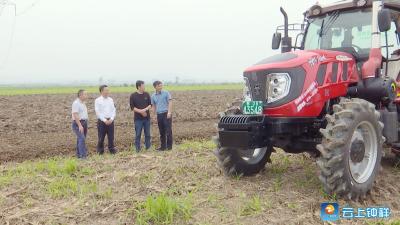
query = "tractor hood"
{"x": 296, "y": 73}
{"x": 304, "y": 58}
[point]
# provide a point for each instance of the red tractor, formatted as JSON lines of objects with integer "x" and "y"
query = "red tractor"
{"x": 332, "y": 94}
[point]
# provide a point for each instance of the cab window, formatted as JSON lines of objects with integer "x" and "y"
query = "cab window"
{"x": 393, "y": 42}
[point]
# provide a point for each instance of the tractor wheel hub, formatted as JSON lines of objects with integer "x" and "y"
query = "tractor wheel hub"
{"x": 357, "y": 151}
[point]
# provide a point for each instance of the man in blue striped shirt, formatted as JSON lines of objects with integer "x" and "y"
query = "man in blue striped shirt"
{"x": 162, "y": 106}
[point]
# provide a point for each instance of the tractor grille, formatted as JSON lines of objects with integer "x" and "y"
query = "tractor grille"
{"x": 234, "y": 119}
{"x": 240, "y": 119}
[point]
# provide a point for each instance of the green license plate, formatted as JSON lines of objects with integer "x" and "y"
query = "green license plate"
{"x": 253, "y": 107}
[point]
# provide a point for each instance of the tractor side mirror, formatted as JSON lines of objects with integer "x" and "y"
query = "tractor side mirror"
{"x": 276, "y": 40}
{"x": 384, "y": 20}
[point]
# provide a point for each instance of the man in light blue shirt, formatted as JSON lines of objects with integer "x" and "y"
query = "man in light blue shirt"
{"x": 162, "y": 106}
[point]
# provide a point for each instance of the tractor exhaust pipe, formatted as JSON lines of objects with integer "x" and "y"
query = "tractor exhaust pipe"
{"x": 285, "y": 16}
{"x": 286, "y": 40}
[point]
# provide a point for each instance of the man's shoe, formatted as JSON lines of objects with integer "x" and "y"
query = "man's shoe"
{"x": 170, "y": 148}
{"x": 160, "y": 149}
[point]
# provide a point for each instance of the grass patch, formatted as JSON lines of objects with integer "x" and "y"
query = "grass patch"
{"x": 62, "y": 187}
{"x": 5, "y": 179}
{"x": 10, "y": 91}
{"x": 107, "y": 194}
{"x": 59, "y": 177}
{"x": 251, "y": 207}
{"x": 330, "y": 197}
{"x": 292, "y": 205}
{"x": 146, "y": 178}
{"x": 280, "y": 166}
{"x": 309, "y": 180}
{"x": 212, "y": 199}
{"x": 57, "y": 167}
{"x": 196, "y": 145}
{"x": 237, "y": 177}
{"x": 163, "y": 209}
{"x": 277, "y": 184}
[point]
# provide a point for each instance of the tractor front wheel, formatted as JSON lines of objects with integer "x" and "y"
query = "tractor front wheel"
{"x": 242, "y": 162}
{"x": 233, "y": 161}
{"x": 351, "y": 149}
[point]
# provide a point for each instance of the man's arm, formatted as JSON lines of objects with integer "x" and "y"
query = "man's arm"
{"x": 75, "y": 116}
{"x": 132, "y": 102}
{"x": 147, "y": 109}
{"x": 149, "y": 103}
{"x": 153, "y": 105}
{"x": 114, "y": 111}
{"x": 78, "y": 121}
{"x": 140, "y": 111}
{"x": 154, "y": 109}
{"x": 99, "y": 115}
{"x": 169, "y": 114}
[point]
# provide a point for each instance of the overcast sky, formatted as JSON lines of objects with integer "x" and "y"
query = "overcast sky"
{"x": 59, "y": 41}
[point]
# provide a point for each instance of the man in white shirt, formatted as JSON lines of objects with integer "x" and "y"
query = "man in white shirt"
{"x": 105, "y": 112}
{"x": 79, "y": 123}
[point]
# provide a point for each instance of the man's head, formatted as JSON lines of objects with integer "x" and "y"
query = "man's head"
{"x": 140, "y": 85}
{"x": 82, "y": 95}
{"x": 158, "y": 85}
{"x": 104, "y": 90}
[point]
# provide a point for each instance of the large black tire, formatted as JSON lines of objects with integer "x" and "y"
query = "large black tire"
{"x": 353, "y": 132}
{"x": 234, "y": 162}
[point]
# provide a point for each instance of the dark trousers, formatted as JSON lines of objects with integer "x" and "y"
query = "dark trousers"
{"x": 142, "y": 124}
{"x": 104, "y": 130}
{"x": 165, "y": 127}
{"x": 81, "y": 151}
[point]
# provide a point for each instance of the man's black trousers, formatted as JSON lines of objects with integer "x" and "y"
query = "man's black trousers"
{"x": 104, "y": 130}
{"x": 165, "y": 127}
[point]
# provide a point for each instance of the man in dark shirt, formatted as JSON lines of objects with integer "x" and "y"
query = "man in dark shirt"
{"x": 140, "y": 103}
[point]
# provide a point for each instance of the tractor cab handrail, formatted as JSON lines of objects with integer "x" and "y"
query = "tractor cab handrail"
{"x": 292, "y": 27}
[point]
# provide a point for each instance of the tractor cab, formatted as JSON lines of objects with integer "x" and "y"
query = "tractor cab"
{"x": 344, "y": 31}
{"x": 358, "y": 28}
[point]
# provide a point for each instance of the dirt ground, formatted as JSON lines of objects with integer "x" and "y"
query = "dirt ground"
{"x": 39, "y": 126}
{"x": 287, "y": 192}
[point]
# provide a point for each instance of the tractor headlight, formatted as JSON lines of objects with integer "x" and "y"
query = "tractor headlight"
{"x": 360, "y": 3}
{"x": 315, "y": 10}
{"x": 246, "y": 90}
{"x": 278, "y": 85}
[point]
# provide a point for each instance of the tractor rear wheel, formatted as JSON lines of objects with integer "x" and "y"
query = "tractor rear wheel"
{"x": 351, "y": 149}
{"x": 234, "y": 161}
